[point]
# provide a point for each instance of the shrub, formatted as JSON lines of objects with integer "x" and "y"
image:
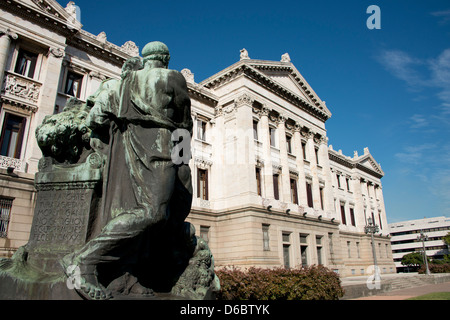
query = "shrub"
{"x": 311, "y": 283}
{"x": 436, "y": 268}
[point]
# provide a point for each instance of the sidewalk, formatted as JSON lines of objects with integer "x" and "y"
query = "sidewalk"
{"x": 410, "y": 292}
{"x": 357, "y": 286}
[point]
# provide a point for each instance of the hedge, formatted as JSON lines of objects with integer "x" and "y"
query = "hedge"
{"x": 308, "y": 283}
{"x": 436, "y": 268}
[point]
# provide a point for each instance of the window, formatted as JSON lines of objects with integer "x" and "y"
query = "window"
{"x": 255, "y": 130}
{"x": 304, "y": 149}
{"x": 286, "y": 248}
{"x": 5, "y": 215}
{"x": 201, "y": 130}
{"x": 348, "y": 184}
{"x": 289, "y": 144}
{"x": 309, "y": 194}
{"x": 204, "y": 233}
{"x": 304, "y": 249}
{"x": 357, "y": 250}
{"x": 316, "y": 151}
{"x": 330, "y": 245}
{"x": 379, "y": 219}
{"x": 202, "y": 184}
{"x": 12, "y": 135}
{"x": 352, "y": 217}
{"x": 338, "y": 181}
{"x": 73, "y": 84}
{"x": 273, "y": 137}
{"x": 294, "y": 194}
{"x": 26, "y": 63}
{"x": 266, "y": 243}
{"x": 276, "y": 192}
{"x": 258, "y": 181}
{"x": 321, "y": 197}
{"x": 319, "y": 249}
{"x": 344, "y": 220}
{"x": 349, "y": 249}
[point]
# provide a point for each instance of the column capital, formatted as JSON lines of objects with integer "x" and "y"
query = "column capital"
{"x": 244, "y": 99}
{"x": 56, "y": 52}
{"x": 297, "y": 127}
{"x": 265, "y": 111}
{"x": 7, "y": 32}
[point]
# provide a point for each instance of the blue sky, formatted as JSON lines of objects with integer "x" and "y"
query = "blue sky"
{"x": 388, "y": 89}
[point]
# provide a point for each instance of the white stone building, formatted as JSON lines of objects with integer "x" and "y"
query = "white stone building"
{"x": 268, "y": 189}
{"x": 404, "y": 238}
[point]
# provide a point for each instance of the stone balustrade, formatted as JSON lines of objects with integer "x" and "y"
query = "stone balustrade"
{"x": 21, "y": 89}
{"x": 16, "y": 164}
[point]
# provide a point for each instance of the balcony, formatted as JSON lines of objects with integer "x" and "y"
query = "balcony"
{"x": 21, "y": 90}
{"x": 17, "y": 164}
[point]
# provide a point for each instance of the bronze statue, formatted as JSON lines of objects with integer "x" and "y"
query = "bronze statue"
{"x": 137, "y": 241}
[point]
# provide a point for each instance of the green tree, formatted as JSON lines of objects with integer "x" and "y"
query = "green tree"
{"x": 447, "y": 239}
{"x": 413, "y": 259}
{"x": 447, "y": 242}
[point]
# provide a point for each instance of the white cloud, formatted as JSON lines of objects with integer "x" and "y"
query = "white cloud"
{"x": 422, "y": 75}
{"x": 418, "y": 121}
{"x": 444, "y": 15}
{"x": 402, "y": 65}
{"x": 415, "y": 154}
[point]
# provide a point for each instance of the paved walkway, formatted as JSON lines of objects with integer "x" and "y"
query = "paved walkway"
{"x": 409, "y": 292}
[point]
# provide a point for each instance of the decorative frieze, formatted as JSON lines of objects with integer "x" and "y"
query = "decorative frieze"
{"x": 16, "y": 164}
{"x": 131, "y": 48}
{"x": 56, "y": 52}
{"x": 23, "y": 88}
{"x": 243, "y": 99}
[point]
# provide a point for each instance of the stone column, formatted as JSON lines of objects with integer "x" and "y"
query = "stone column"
{"x": 313, "y": 164}
{"x": 217, "y": 136}
{"x": 267, "y": 169}
{"x": 324, "y": 162}
{"x": 245, "y": 148}
{"x": 359, "y": 202}
{"x": 6, "y": 36}
{"x": 300, "y": 166}
{"x": 285, "y": 190}
{"x": 380, "y": 206}
{"x": 49, "y": 90}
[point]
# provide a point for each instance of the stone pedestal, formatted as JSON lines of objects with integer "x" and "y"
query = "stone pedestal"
{"x": 67, "y": 204}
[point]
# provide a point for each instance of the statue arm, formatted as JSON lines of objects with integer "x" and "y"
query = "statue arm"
{"x": 103, "y": 111}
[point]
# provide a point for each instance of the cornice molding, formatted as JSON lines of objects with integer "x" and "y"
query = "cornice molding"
{"x": 246, "y": 68}
{"x": 349, "y": 163}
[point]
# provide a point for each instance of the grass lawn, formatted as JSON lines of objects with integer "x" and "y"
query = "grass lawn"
{"x": 433, "y": 296}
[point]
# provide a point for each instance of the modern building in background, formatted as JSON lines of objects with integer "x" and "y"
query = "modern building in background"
{"x": 268, "y": 188}
{"x": 404, "y": 238}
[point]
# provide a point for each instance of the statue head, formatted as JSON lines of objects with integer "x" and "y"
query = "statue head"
{"x": 156, "y": 50}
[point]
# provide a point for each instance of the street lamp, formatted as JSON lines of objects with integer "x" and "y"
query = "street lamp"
{"x": 423, "y": 237}
{"x": 372, "y": 228}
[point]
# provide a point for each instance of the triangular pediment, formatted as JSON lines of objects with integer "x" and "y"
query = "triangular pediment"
{"x": 287, "y": 76}
{"x": 285, "y": 79}
{"x": 282, "y": 78}
{"x": 369, "y": 162}
{"x": 53, "y": 9}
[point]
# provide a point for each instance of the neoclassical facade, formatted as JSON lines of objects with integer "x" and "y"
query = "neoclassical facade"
{"x": 268, "y": 189}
